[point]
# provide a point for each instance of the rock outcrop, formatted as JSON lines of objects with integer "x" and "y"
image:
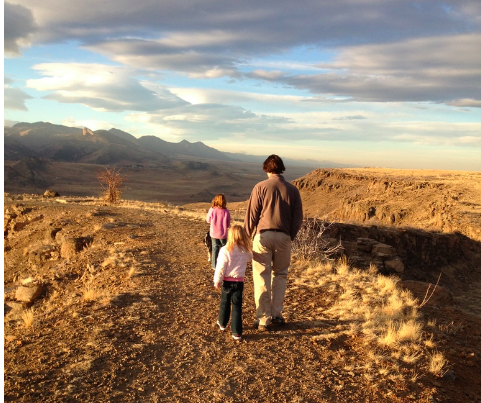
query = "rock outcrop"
{"x": 411, "y": 253}
{"x": 438, "y": 201}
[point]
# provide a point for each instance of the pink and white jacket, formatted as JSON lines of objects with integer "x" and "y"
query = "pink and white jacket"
{"x": 231, "y": 266}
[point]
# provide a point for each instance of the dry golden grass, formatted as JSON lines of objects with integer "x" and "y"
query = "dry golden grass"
{"x": 376, "y": 310}
{"x": 437, "y": 363}
{"x": 90, "y": 294}
{"x": 429, "y": 343}
{"x": 412, "y": 357}
{"x": 28, "y": 317}
{"x": 132, "y": 272}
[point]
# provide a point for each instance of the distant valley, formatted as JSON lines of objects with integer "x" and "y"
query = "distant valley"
{"x": 42, "y": 155}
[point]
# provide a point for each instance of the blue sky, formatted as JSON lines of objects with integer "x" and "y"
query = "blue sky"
{"x": 379, "y": 83}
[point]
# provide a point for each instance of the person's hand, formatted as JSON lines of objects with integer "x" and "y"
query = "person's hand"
{"x": 217, "y": 285}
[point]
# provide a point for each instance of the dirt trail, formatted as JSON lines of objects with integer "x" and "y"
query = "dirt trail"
{"x": 152, "y": 336}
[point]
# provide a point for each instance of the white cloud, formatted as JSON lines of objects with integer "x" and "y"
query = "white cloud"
{"x": 221, "y": 96}
{"x": 466, "y": 103}
{"x": 214, "y": 121}
{"x": 211, "y": 121}
{"x": 101, "y": 87}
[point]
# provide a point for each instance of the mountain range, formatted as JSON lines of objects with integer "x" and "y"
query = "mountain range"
{"x": 110, "y": 147}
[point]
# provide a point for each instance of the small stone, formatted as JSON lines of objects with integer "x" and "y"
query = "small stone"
{"x": 28, "y": 293}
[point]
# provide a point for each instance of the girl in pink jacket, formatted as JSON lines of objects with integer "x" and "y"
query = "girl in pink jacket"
{"x": 219, "y": 219}
{"x": 229, "y": 273}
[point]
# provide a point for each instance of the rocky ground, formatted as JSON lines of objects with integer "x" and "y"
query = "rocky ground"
{"x": 125, "y": 311}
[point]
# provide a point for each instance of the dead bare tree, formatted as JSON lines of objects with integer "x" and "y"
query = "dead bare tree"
{"x": 111, "y": 181}
{"x": 311, "y": 244}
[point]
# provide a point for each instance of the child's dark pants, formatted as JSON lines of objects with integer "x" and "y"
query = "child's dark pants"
{"x": 231, "y": 294}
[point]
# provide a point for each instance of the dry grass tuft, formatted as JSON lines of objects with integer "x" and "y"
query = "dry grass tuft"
{"x": 429, "y": 343}
{"x": 410, "y": 331}
{"x": 132, "y": 272}
{"x": 90, "y": 294}
{"x": 28, "y": 317}
{"x": 437, "y": 363}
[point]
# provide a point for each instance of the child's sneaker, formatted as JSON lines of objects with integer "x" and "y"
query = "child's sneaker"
{"x": 222, "y": 328}
{"x": 237, "y": 337}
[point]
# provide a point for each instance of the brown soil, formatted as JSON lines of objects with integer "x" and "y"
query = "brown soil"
{"x": 150, "y": 335}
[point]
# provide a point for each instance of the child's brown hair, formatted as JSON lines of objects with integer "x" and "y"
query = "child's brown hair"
{"x": 219, "y": 201}
{"x": 237, "y": 235}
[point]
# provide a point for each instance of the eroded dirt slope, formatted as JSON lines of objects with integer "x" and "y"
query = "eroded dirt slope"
{"x": 149, "y": 333}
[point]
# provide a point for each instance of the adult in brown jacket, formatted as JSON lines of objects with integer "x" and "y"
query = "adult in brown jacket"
{"x": 273, "y": 217}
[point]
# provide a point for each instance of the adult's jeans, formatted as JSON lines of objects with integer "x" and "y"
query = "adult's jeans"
{"x": 216, "y": 245}
{"x": 231, "y": 295}
{"x": 270, "y": 265}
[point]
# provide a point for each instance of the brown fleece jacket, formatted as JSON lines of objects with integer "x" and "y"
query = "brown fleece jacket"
{"x": 274, "y": 204}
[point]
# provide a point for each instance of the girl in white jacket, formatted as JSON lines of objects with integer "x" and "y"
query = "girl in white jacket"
{"x": 229, "y": 272}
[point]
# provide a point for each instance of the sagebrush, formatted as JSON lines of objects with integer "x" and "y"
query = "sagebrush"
{"x": 311, "y": 244}
{"x": 112, "y": 182}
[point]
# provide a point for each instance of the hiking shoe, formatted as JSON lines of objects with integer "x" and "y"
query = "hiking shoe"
{"x": 278, "y": 321}
{"x": 222, "y": 328}
{"x": 237, "y": 337}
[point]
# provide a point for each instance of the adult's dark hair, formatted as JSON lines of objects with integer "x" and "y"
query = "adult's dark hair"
{"x": 274, "y": 165}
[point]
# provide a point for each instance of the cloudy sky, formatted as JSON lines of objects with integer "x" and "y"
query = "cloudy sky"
{"x": 386, "y": 83}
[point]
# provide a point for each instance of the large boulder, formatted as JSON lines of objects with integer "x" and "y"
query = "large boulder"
{"x": 72, "y": 246}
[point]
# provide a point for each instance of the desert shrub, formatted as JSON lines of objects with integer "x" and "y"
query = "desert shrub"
{"x": 311, "y": 244}
{"x": 111, "y": 181}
